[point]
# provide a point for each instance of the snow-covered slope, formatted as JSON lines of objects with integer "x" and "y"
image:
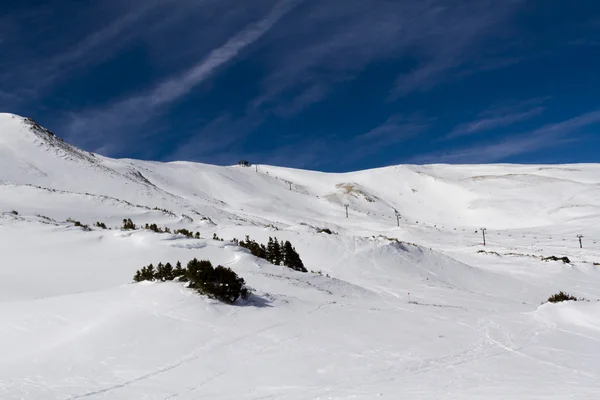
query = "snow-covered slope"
{"x": 414, "y": 308}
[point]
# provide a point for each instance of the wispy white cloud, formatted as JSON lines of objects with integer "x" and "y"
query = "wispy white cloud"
{"x": 493, "y": 122}
{"x": 570, "y": 125}
{"x": 334, "y": 44}
{"x": 106, "y": 35}
{"x": 396, "y": 128}
{"x": 588, "y": 34}
{"x": 325, "y": 43}
{"x": 142, "y": 107}
{"x": 312, "y": 94}
{"x": 454, "y": 36}
{"x": 547, "y": 136}
{"x": 32, "y": 74}
{"x": 176, "y": 87}
{"x": 304, "y": 154}
{"x": 6, "y": 96}
{"x": 216, "y": 141}
{"x": 347, "y": 148}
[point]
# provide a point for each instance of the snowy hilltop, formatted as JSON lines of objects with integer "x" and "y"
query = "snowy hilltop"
{"x": 381, "y": 288}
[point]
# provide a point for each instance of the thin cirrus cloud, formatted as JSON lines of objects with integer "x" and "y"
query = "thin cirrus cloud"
{"x": 395, "y": 130}
{"x": 321, "y": 46}
{"x": 139, "y": 108}
{"x": 453, "y": 38}
{"x": 101, "y": 37}
{"x": 217, "y": 138}
{"x": 216, "y": 143}
{"x": 494, "y": 122}
{"x": 333, "y": 45}
{"x": 39, "y": 71}
{"x": 548, "y": 136}
{"x": 399, "y": 128}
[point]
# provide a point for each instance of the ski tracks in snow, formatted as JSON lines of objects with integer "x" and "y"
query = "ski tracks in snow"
{"x": 196, "y": 355}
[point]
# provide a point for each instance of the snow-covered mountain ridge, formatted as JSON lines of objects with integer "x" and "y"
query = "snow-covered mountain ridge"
{"x": 411, "y": 308}
{"x": 498, "y": 196}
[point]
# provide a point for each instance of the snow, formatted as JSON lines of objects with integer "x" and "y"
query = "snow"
{"x": 412, "y": 311}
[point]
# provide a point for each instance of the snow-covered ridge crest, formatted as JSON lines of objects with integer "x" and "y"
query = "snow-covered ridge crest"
{"x": 33, "y": 154}
{"x": 441, "y": 196}
{"x": 57, "y": 144}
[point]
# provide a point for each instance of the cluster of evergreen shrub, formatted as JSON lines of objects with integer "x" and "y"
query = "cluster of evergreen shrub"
{"x": 101, "y": 225}
{"x": 219, "y": 282}
{"x": 165, "y": 211}
{"x": 46, "y": 220}
{"x": 187, "y": 233}
{"x": 564, "y": 259}
{"x": 79, "y": 224}
{"x": 326, "y": 230}
{"x": 215, "y": 237}
{"x": 156, "y": 228}
{"x": 162, "y": 272}
{"x": 128, "y": 224}
{"x": 276, "y": 252}
{"x": 257, "y": 249}
{"x": 562, "y": 296}
{"x": 489, "y": 252}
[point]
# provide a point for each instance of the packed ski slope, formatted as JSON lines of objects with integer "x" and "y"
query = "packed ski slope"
{"x": 425, "y": 316}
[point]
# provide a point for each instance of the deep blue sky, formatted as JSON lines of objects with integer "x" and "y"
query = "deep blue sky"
{"x": 334, "y": 85}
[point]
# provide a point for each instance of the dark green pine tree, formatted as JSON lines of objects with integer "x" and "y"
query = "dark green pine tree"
{"x": 169, "y": 272}
{"x": 270, "y": 251}
{"x": 287, "y": 253}
{"x": 292, "y": 258}
{"x": 199, "y": 273}
{"x": 138, "y": 276}
{"x": 277, "y": 253}
{"x": 160, "y": 272}
{"x": 145, "y": 274}
{"x": 262, "y": 251}
{"x": 179, "y": 272}
{"x": 150, "y": 272}
{"x": 226, "y": 285}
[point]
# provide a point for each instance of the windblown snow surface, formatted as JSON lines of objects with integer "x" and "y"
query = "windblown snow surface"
{"x": 413, "y": 311}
